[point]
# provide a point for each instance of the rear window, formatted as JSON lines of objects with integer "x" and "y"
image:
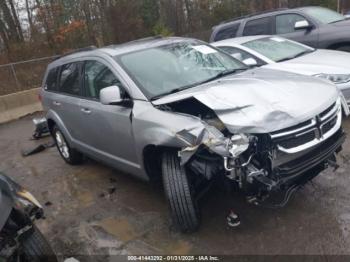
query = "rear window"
{"x": 51, "y": 80}
{"x": 227, "y": 32}
{"x": 70, "y": 79}
{"x": 261, "y": 26}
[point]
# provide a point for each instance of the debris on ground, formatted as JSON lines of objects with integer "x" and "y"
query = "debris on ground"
{"x": 38, "y": 149}
{"x": 48, "y": 203}
{"x": 71, "y": 259}
{"x": 111, "y": 190}
{"x": 41, "y": 128}
{"x": 233, "y": 219}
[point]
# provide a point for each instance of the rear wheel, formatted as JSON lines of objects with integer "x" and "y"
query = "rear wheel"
{"x": 70, "y": 155}
{"x": 180, "y": 194}
{"x": 36, "y": 248}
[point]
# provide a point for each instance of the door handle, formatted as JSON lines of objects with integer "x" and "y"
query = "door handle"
{"x": 56, "y": 103}
{"x": 86, "y": 110}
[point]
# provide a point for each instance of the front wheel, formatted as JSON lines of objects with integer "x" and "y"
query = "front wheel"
{"x": 180, "y": 194}
{"x": 36, "y": 248}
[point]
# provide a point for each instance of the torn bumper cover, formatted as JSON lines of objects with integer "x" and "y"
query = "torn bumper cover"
{"x": 255, "y": 171}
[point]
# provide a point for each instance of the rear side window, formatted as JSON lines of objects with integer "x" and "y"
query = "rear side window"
{"x": 51, "y": 80}
{"x": 227, "y": 32}
{"x": 261, "y": 26}
{"x": 69, "y": 80}
{"x": 98, "y": 76}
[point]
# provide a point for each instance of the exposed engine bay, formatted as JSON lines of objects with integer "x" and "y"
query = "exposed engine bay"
{"x": 261, "y": 163}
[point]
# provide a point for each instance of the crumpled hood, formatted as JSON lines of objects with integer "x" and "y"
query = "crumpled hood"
{"x": 320, "y": 61}
{"x": 261, "y": 100}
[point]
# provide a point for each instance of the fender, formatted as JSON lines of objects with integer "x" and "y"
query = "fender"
{"x": 52, "y": 115}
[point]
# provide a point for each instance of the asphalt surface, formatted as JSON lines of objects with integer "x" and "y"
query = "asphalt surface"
{"x": 94, "y": 210}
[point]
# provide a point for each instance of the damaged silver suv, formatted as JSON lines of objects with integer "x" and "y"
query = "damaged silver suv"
{"x": 181, "y": 111}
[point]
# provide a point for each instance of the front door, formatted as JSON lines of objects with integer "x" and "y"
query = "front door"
{"x": 107, "y": 129}
{"x": 285, "y": 26}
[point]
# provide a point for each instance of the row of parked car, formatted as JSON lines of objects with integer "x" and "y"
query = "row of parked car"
{"x": 263, "y": 113}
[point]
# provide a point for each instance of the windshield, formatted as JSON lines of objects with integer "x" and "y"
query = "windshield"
{"x": 170, "y": 68}
{"x": 278, "y": 49}
{"x": 324, "y": 15}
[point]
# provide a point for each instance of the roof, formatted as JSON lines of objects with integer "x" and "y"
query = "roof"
{"x": 114, "y": 50}
{"x": 240, "y": 40}
{"x": 262, "y": 14}
{"x": 254, "y": 14}
{"x": 140, "y": 44}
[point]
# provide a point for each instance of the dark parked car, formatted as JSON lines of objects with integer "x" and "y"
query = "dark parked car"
{"x": 314, "y": 26}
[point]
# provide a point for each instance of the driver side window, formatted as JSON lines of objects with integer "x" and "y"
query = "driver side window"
{"x": 285, "y": 23}
{"x": 96, "y": 77}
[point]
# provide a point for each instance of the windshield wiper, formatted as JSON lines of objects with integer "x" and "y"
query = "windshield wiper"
{"x": 219, "y": 75}
{"x": 295, "y": 56}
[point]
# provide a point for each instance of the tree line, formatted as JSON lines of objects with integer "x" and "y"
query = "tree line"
{"x": 34, "y": 28}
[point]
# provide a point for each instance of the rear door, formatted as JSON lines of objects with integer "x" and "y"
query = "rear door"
{"x": 65, "y": 98}
{"x": 259, "y": 26}
{"x": 284, "y": 26}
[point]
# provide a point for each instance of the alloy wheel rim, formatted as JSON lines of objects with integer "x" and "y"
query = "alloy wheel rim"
{"x": 62, "y": 145}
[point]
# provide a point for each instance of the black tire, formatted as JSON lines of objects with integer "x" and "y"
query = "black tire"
{"x": 36, "y": 248}
{"x": 72, "y": 156}
{"x": 179, "y": 193}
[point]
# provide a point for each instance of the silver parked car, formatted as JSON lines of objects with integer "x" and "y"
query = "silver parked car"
{"x": 276, "y": 52}
{"x": 181, "y": 111}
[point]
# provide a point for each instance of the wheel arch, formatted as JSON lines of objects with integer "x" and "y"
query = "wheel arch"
{"x": 335, "y": 46}
{"x": 152, "y": 156}
{"x": 52, "y": 120}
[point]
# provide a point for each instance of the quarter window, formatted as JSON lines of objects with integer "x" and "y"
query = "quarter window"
{"x": 70, "y": 79}
{"x": 51, "y": 80}
{"x": 98, "y": 76}
{"x": 261, "y": 26}
{"x": 285, "y": 23}
{"x": 227, "y": 32}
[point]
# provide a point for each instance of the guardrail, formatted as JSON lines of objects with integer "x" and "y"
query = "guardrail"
{"x": 16, "y": 105}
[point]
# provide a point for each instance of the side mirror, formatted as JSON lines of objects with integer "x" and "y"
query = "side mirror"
{"x": 250, "y": 62}
{"x": 302, "y": 25}
{"x": 111, "y": 95}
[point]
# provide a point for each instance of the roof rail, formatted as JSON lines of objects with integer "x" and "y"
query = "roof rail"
{"x": 84, "y": 49}
{"x": 254, "y": 14}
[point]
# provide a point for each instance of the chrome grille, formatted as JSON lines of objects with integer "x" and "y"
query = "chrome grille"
{"x": 310, "y": 132}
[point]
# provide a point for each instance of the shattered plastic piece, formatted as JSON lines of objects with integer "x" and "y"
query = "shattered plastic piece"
{"x": 209, "y": 136}
{"x": 233, "y": 219}
{"x": 239, "y": 144}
